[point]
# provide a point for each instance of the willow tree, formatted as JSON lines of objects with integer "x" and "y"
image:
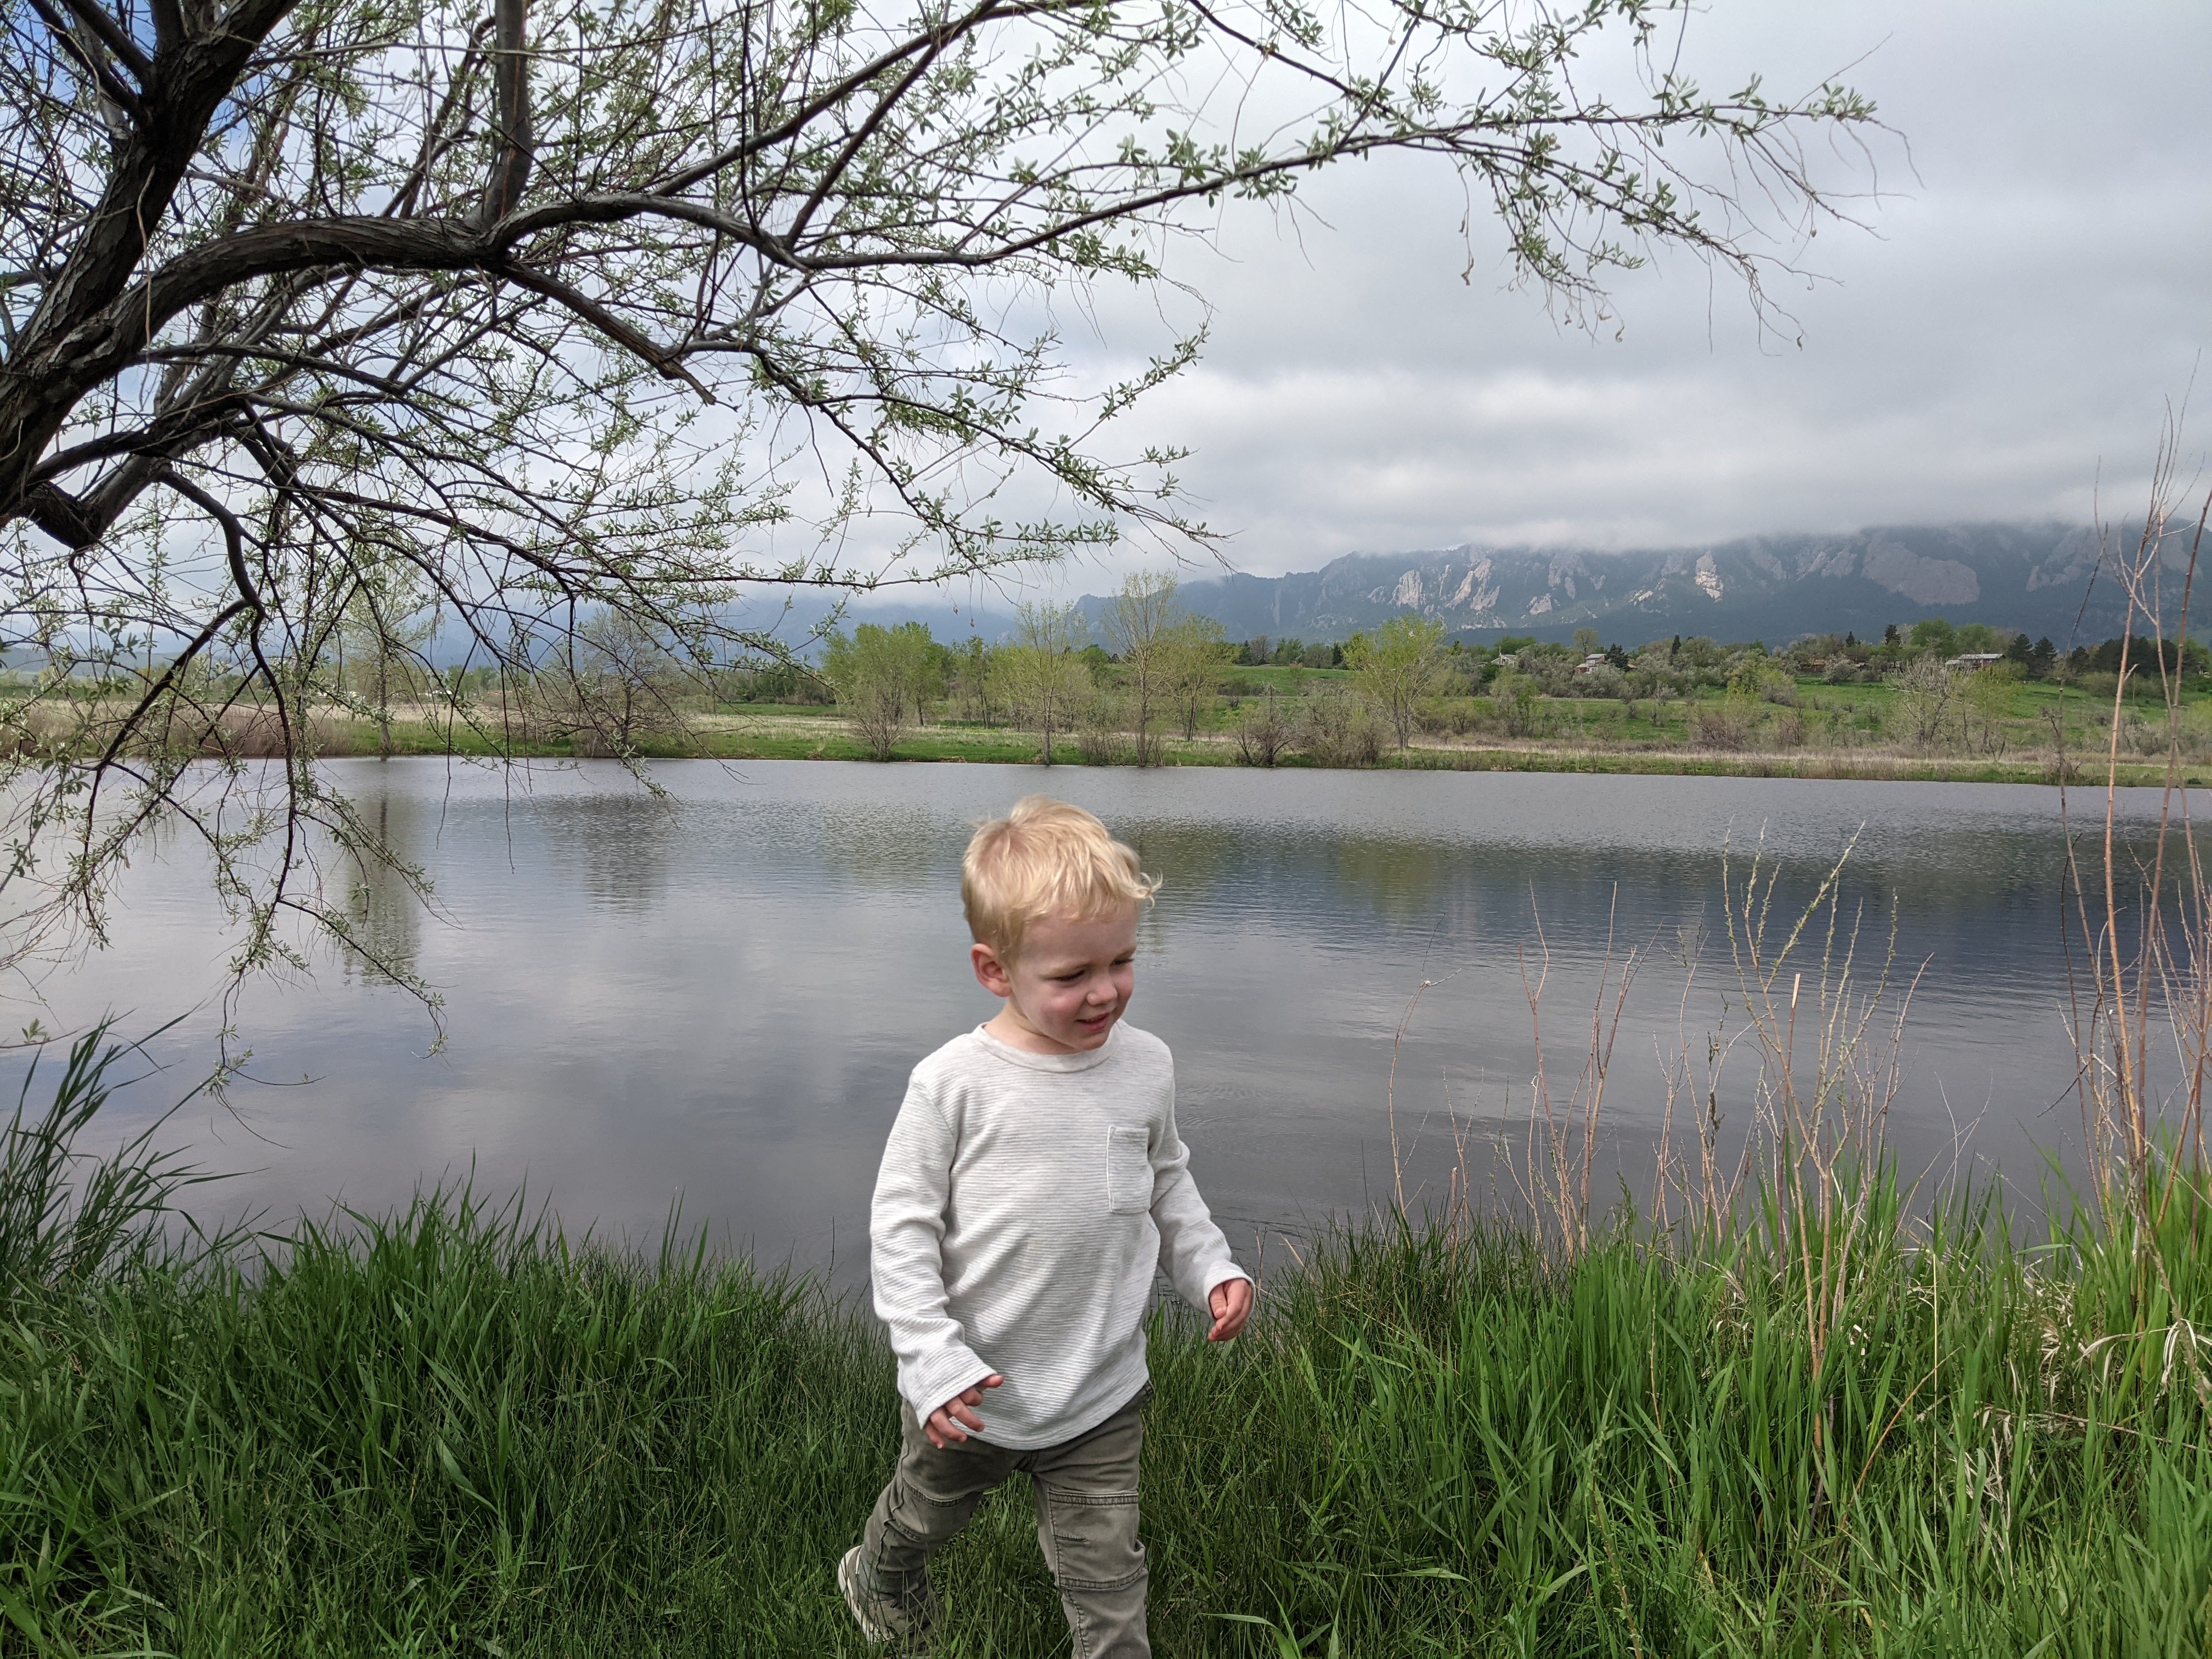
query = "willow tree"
{"x": 651, "y": 307}
{"x": 1399, "y": 667}
{"x": 1046, "y": 678}
{"x": 1137, "y": 622}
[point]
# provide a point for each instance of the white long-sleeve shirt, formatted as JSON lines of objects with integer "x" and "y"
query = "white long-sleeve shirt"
{"x": 1024, "y": 1203}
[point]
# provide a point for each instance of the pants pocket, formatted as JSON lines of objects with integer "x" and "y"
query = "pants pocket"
{"x": 1091, "y": 1539}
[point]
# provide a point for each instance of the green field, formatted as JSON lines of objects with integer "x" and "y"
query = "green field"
{"x": 2040, "y": 732}
{"x": 1833, "y": 730}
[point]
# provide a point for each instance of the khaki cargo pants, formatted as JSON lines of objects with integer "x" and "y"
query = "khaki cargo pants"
{"x": 1086, "y": 1514}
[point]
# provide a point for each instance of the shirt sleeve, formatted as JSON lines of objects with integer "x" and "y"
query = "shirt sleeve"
{"x": 1192, "y": 1252}
{"x": 906, "y": 1237}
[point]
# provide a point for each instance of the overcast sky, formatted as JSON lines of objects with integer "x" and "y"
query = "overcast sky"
{"x": 2037, "y": 284}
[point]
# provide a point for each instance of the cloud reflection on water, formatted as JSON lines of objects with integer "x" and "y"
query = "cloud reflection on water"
{"x": 721, "y": 993}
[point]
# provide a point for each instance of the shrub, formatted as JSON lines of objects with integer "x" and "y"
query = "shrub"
{"x": 2196, "y": 731}
{"x": 1725, "y": 724}
{"x": 1461, "y": 715}
{"x": 1514, "y": 697}
{"x": 1927, "y": 703}
{"x": 1555, "y": 677}
{"x": 1262, "y": 734}
{"x": 1099, "y": 737}
{"x": 1604, "y": 680}
{"x": 1338, "y": 729}
{"x": 2139, "y": 736}
{"x": 1770, "y": 680}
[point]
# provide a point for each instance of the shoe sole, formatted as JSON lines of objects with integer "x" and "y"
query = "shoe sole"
{"x": 848, "y": 1586}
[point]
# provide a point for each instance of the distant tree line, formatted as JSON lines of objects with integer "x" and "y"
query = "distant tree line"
{"x": 1260, "y": 652}
{"x": 1118, "y": 686}
{"x": 1161, "y": 671}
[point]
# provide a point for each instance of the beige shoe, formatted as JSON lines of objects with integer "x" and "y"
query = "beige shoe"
{"x": 884, "y": 1623}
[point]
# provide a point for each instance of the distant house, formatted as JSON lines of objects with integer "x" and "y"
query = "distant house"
{"x": 1972, "y": 661}
{"x": 1593, "y": 660}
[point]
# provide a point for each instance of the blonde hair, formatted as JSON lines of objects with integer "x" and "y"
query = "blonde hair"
{"x": 1044, "y": 859}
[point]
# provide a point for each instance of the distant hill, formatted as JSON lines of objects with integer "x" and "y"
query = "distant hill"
{"x": 2028, "y": 578}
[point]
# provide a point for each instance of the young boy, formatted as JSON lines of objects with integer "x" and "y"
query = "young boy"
{"x": 1033, "y": 1183}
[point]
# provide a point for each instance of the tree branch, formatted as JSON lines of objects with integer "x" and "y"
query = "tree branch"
{"x": 114, "y": 37}
{"x": 233, "y": 539}
{"x": 169, "y": 25}
{"x": 630, "y": 339}
{"x": 510, "y": 167}
{"x": 110, "y": 84}
{"x": 216, "y": 623}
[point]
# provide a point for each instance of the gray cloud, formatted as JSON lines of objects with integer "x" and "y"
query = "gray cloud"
{"x": 2031, "y": 292}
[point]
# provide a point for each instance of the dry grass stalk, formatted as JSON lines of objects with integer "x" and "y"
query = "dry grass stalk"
{"x": 1828, "y": 1071}
{"x": 2140, "y": 941}
{"x": 1558, "y": 1188}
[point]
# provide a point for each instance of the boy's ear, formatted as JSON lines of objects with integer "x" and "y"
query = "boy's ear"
{"x": 990, "y": 972}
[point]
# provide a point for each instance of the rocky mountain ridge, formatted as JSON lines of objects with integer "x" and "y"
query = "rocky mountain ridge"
{"x": 2033, "y": 578}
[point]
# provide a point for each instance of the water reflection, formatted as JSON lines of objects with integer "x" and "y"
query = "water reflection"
{"x": 385, "y": 904}
{"x": 619, "y": 842}
{"x": 888, "y": 845}
{"x": 720, "y": 993}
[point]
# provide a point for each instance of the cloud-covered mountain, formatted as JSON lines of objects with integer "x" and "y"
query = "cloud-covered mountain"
{"x": 2030, "y": 578}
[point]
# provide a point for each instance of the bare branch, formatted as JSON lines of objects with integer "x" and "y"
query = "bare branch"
{"x": 510, "y": 167}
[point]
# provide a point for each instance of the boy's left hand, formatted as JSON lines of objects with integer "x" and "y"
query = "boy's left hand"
{"x": 1231, "y": 1304}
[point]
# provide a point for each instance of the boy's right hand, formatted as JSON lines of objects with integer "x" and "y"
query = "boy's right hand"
{"x": 953, "y": 1421}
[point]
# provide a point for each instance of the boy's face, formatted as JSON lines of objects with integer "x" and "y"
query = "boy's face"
{"x": 1072, "y": 981}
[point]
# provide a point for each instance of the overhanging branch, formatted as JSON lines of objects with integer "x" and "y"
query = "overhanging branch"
{"x": 510, "y": 167}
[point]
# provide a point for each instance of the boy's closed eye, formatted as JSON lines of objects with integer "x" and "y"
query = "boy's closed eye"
{"x": 1074, "y": 975}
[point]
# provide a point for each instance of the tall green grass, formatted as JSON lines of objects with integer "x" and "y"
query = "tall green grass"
{"x": 1641, "y": 1454}
{"x": 449, "y": 1431}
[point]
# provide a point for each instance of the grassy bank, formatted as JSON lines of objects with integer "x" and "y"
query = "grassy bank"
{"x": 817, "y": 734}
{"x": 443, "y": 1432}
{"x": 2040, "y": 732}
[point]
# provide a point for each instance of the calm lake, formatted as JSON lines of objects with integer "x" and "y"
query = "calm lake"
{"x": 718, "y": 995}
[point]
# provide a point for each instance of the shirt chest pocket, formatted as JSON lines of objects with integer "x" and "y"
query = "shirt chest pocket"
{"x": 1128, "y": 1170}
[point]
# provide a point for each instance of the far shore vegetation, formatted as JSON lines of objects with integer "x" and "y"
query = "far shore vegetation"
{"x": 1157, "y": 685}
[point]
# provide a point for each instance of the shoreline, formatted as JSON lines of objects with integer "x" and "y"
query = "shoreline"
{"x": 807, "y": 737}
{"x": 1841, "y": 733}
